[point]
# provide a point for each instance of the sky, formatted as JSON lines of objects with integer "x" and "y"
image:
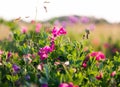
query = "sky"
{"x": 34, "y": 9}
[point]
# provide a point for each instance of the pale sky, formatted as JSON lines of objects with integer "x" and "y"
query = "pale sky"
{"x": 108, "y": 9}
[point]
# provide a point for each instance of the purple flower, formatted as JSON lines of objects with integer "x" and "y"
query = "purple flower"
{"x": 57, "y": 23}
{"x": 64, "y": 24}
{"x": 27, "y": 77}
{"x": 44, "y": 85}
{"x": 84, "y": 20}
{"x": 15, "y": 68}
{"x": 73, "y": 19}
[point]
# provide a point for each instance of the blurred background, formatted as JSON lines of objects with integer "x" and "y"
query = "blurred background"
{"x": 99, "y": 19}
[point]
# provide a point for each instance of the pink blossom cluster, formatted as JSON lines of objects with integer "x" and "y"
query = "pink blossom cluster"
{"x": 57, "y": 32}
{"x": 43, "y": 52}
{"x": 97, "y": 55}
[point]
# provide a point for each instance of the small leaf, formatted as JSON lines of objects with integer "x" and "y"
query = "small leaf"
{"x": 8, "y": 77}
{"x": 43, "y": 80}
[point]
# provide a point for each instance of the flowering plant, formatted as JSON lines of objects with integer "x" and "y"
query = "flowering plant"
{"x": 51, "y": 59}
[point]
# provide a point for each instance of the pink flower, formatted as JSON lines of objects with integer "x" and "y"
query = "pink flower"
{"x": 99, "y": 77}
{"x": 1, "y": 52}
{"x": 91, "y": 27}
{"x": 52, "y": 45}
{"x": 70, "y": 84}
{"x": 38, "y": 26}
{"x": 9, "y": 54}
{"x": 98, "y": 58}
{"x": 106, "y": 45}
{"x": 62, "y": 31}
{"x": 98, "y": 55}
{"x": 64, "y": 85}
{"x": 101, "y": 55}
{"x": 43, "y": 52}
{"x": 40, "y": 67}
{"x": 47, "y": 49}
{"x": 113, "y": 74}
{"x": 32, "y": 21}
{"x": 24, "y": 30}
{"x": 93, "y": 54}
{"x": 57, "y": 32}
{"x": 84, "y": 64}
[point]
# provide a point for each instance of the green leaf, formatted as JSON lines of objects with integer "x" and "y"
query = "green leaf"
{"x": 8, "y": 77}
{"x": 43, "y": 80}
{"x": 46, "y": 68}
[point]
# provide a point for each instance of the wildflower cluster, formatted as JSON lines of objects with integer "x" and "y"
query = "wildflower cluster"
{"x": 97, "y": 55}
{"x": 43, "y": 52}
{"x": 38, "y": 58}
